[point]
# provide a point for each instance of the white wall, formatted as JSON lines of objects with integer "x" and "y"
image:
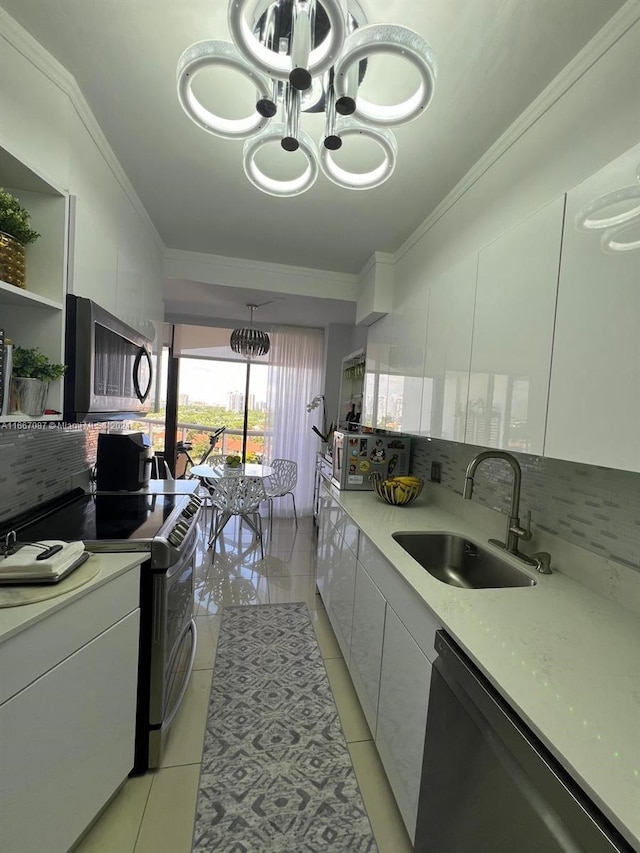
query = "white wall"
{"x": 46, "y": 123}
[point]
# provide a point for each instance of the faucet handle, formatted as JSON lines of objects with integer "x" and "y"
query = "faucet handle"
{"x": 523, "y": 533}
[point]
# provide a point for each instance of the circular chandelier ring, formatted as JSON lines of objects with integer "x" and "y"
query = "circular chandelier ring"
{"x": 361, "y": 180}
{"x": 612, "y": 245}
{"x": 211, "y": 54}
{"x": 390, "y": 39}
{"x": 278, "y": 65}
{"x": 271, "y": 186}
{"x": 586, "y": 222}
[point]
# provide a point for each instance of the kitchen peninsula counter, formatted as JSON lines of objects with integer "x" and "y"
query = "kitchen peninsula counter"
{"x": 565, "y": 657}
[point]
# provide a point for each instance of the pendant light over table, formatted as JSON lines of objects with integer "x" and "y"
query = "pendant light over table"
{"x": 250, "y": 342}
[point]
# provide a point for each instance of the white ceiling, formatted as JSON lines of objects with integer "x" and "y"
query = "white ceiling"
{"x": 494, "y": 57}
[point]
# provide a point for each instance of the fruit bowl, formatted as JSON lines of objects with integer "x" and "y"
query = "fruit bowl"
{"x": 398, "y": 491}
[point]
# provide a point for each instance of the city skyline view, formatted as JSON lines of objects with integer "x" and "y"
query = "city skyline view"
{"x": 218, "y": 383}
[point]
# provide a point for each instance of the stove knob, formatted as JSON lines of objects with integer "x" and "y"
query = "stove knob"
{"x": 187, "y": 513}
{"x": 175, "y": 538}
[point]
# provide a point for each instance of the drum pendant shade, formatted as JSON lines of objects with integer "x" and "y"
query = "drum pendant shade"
{"x": 250, "y": 342}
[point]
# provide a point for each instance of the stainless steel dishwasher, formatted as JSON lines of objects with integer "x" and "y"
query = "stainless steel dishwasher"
{"x": 488, "y": 784}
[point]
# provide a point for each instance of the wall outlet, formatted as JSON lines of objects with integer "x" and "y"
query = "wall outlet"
{"x": 436, "y": 469}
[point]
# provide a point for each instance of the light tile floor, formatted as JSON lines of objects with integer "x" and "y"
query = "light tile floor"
{"x": 154, "y": 813}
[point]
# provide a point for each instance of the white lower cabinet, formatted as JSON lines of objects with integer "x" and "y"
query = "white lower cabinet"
{"x": 68, "y": 742}
{"x": 390, "y": 667}
{"x": 336, "y": 568}
{"x": 68, "y": 693}
{"x": 323, "y": 549}
{"x": 341, "y": 592}
{"x": 366, "y": 644}
{"x": 402, "y": 715}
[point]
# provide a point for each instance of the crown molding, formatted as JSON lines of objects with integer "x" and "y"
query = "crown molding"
{"x": 376, "y": 258}
{"x": 605, "y": 38}
{"x": 40, "y": 58}
{"x": 176, "y": 257}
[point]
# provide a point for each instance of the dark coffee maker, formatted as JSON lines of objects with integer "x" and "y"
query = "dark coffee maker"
{"x": 123, "y": 462}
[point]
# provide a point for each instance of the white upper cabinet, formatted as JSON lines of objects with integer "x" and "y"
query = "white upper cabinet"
{"x": 94, "y": 258}
{"x": 448, "y": 352}
{"x": 406, "y": 354}
{"x": 594, "y": 404}
{"x": 376, "y": 378}
{"x": 513, "y": 334}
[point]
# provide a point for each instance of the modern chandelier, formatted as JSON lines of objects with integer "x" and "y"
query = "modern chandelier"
{"x": 250, "y": 342}
{"x": 308, "y": 56}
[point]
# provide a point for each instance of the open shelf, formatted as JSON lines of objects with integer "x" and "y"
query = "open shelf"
{"x": 11, "y": 295}
{"x": 35, "y": 316}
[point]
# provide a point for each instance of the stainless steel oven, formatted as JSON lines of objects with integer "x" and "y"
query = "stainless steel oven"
{"x": 172, "y": 649}
{"x": 164, "y": 527}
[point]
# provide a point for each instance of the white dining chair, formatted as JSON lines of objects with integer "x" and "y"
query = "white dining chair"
{"x": 241, "y": 497}
{"x": 280, "y": 483}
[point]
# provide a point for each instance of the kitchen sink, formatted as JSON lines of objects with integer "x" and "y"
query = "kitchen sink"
{"x": 459, "y": 562}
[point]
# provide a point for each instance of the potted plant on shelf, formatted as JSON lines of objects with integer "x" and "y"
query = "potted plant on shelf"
{"x": 31, "y": 374}
{"x": 15, "y": 234}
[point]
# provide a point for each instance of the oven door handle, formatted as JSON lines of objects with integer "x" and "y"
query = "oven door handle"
{"x": 194, "y": 632}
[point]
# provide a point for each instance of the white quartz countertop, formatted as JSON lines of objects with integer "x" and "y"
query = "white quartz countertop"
{"x": 16, "y": 619}
{"x": 566, "y": 658}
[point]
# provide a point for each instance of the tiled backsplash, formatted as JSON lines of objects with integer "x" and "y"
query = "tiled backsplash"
{"x": 39, "y": 464}
{"x": 595, "y": 508}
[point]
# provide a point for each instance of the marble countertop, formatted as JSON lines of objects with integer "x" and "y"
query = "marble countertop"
{"x": 566, "y": 658}
{"x": 109, "y": 566}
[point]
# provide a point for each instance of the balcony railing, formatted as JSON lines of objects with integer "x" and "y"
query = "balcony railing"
{"x": 229, "y": 442}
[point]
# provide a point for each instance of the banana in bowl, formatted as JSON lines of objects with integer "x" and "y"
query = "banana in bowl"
{"x": 398, "y": 491}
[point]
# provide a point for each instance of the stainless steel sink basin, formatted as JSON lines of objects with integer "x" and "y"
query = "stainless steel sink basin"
{"x": 459, "y": 562}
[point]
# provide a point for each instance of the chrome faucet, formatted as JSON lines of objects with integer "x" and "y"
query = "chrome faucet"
{"x": 514, "y": 531}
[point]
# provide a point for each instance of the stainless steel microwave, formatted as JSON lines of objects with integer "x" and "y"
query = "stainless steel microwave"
{"x": 109, "y": 365}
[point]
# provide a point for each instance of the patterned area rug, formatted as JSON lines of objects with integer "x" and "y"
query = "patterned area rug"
{"x": 276, "y": 772}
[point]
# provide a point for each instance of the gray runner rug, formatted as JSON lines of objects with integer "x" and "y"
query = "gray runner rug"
{"x": 276, "y": 772}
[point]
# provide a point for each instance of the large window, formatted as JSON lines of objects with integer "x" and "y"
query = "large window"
{"x": 212, "y": 393}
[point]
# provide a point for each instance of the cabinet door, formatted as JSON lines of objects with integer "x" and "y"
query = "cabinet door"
{"x": 406, "y": 354}
{"x": 594, "y": 405}
{"x": 324, "y": 549}
{"x": 94, "y": 259}
{"x": 341, "y": 591}
{"x": 402, "y": 715}
{"x": 376, "y": 378}
{"x": 448, "y": 352}
{"x": 366, "y": 644}
{"x": 513, "y": 333}
{"x": 68, "y": 743}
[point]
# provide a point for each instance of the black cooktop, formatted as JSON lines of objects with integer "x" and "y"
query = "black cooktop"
{"x": 97, "y": 517}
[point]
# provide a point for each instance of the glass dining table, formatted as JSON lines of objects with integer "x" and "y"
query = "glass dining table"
{"x": 247, "y": 469}
{"x": 209, "y": 474}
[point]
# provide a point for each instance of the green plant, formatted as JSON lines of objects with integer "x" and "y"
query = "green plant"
{"x": 15, "y": 220}
{"x": 33, "y": 364}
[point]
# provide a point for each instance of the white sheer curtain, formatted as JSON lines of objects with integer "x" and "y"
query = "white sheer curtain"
{"x": 294, "y": 378}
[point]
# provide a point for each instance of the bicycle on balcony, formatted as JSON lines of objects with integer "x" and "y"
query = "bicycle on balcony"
{"x": 184, "y": 460}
